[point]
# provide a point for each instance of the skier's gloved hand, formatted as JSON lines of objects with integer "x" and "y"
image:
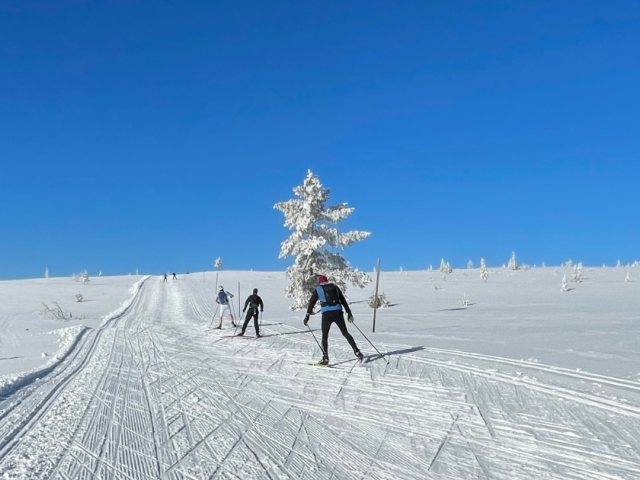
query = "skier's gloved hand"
{"x": 306, "y": 320}
{"x": 350, "y": 318}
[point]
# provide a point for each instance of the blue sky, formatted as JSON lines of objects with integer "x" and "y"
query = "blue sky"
{"x": 158, "y": 135}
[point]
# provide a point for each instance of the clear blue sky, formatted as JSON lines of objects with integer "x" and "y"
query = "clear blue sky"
{"x": 158, "y": 135}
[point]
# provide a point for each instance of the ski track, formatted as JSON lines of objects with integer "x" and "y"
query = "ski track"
{"x": 155, "y": 394}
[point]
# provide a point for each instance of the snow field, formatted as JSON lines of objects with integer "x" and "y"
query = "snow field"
{"x": 155, "y": 393}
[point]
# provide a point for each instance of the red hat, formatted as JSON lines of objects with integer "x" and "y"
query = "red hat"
{"x": 322, "y": 279}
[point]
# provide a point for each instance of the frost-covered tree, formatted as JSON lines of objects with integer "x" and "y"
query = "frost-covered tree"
{"x": 618, "y": 264}
{"x": 46, "y": 272}
{"x": 218, "y": 263}
{"x": 430, "y": 268}
{"x": 513, "y": 264}
{"x": 484, "y": 273}
{"x": 100, "y": 274}
{"x": 577, "y": 273}
{"x": 465, "y": 300}
{"x": 445, "y": 267}
{"x": 315, "y": 244}
{"x": 470, "y": 264}
{"x": 569, "y": 264}
{"x": 628, "y": 279}
{"x": 564, "y": 283}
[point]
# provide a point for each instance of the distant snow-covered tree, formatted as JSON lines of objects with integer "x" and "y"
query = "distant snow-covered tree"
{"x": 315, "y": 244}
{"x": 543, "y": 265}
{"x": 618, "y": 264}
{"x": 430, "y": 268}
{"x": 79, "y": 297}
{"x": 569, "y": 264}
{"x": 564, "y": 283}
{"x": 628, "y": 279}
{"x": 100, "y": 274}
{"x": 445, "y": 267}
{"x": 577, "y": 273}
{"x": 513, "y": 264}
{"x": 46, "y": 272}
{"x": 484, "y": 273}
{"x": 85, "y": 278}
{"x": 378, "y": 302}
{"x": 470, "y": 264}
{"x": 218, "y": 263}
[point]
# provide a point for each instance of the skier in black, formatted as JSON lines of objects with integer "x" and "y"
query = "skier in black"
{"x": 174, "y": 276}
{"x": 165, "y": 279}
{"x": 331, "y": 300}
{"x": 253, "y": 302}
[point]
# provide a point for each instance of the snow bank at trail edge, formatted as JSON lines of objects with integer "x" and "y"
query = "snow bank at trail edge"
{"x": 133, "y": 291}
{"x": 68, "y": 338}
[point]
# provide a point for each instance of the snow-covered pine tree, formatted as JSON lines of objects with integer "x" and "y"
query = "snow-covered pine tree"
{"x": 484, "y": 273}
{"x": 100, "y": 274}
{"x": 46, "y": 272}
{"x": 315, "y": 244}
{"x": 564, "y": 283}
{"x": 628, "y": 279}
{"x": 513, "y": 264}
{"x": 618, "y": 264}
{"x": 442, "y": 265}
{"x": 470, "y": 264}
{"x": 218, "y": 263}
{"x": 569, "y": 263}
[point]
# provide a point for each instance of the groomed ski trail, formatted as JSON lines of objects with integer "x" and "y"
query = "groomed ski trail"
{"x": 155, "y": 395}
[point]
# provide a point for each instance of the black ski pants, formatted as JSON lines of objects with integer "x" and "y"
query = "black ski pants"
{"x": 337, "y": 317}
{"x": 252, "y": 312}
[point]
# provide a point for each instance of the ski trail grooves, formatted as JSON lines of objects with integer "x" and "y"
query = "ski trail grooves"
{"x": 156, "y": 395}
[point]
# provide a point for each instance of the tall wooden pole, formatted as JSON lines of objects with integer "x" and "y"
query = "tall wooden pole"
{"x": 375, "y": 304}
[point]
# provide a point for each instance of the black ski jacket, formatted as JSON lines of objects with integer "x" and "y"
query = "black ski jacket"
{"x": 314, "y": 299}
{"x": 257, "y": 302}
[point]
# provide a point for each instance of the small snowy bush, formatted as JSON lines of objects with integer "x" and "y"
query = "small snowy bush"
{"x": 85, "y": 278}
{"x": 79, "y": 297}
{"x": 378, "y": 302}
{"x": 315, "y": 244}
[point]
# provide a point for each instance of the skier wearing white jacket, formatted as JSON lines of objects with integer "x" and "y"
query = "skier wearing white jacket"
{"x": 223, "y": 300}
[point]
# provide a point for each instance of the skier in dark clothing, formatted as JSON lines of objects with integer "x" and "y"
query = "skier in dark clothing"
{"x": 174, "y": 276}
{"x": 331, "y": 300}
{"x": 253, "y": 302}
{"x": 165, "y": 279}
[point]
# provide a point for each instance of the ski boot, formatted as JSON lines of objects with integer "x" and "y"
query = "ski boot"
{"x": 241, "y": 334}
{"x": 219, "y": 327}
{"x": 233, "y": 324}
{"x": 258, "y": 335}
{"x": 324, "y": 362}
{"x": 359, "y": 355}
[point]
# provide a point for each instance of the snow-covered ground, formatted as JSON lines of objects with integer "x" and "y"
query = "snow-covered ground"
{"x": 26, "y": 334}
{"x": 527, "y": 382}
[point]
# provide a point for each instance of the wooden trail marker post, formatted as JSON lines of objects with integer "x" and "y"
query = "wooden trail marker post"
{"x": 375, "y": 304}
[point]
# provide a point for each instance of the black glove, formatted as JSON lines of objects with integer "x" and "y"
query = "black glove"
{"x": 350, "y": 318}
{"x": 306, "y": 319}
{"x": 261, "y": 311}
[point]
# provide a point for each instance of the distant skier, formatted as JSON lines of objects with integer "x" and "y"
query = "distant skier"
{"x": 331, "y": 300}
{"x": 223, "y": 299}
{"x": 174, "y": 276}
{"x": 253, "y": 303}
{"x": 165, "y": 278}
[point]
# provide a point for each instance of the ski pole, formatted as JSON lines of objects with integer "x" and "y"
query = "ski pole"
{"x": 314, "y": 337}
{"x": 237, "y": 323}
{"x": 374, "y": 347}
{"x": 213, "y": 318}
